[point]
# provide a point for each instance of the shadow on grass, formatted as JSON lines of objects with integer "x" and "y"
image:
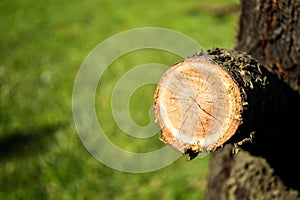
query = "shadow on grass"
{"x": 28, "y": 143}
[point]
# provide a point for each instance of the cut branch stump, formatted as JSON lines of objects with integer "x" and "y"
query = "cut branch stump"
{"x": 225, "y": 98}
{"x": 201, "y": 102}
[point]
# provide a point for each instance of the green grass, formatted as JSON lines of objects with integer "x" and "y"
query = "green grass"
{"x": 42, "y": 46}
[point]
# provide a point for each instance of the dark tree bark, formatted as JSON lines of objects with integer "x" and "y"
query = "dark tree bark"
{"x": 267, "y": 168}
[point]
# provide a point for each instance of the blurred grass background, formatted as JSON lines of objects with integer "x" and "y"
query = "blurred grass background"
{"x": 42, "y": 45}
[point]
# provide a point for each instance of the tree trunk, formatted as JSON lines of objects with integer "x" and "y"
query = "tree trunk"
{"x": 267, "y": 168}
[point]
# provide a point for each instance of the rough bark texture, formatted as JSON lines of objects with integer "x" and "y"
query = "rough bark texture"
{"x": 268, "y": 167}
{"x": 270, "y": 31}
{"x": 244, "y": 176}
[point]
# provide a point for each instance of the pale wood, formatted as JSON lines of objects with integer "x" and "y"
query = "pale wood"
{"x": 198, "y": 105}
